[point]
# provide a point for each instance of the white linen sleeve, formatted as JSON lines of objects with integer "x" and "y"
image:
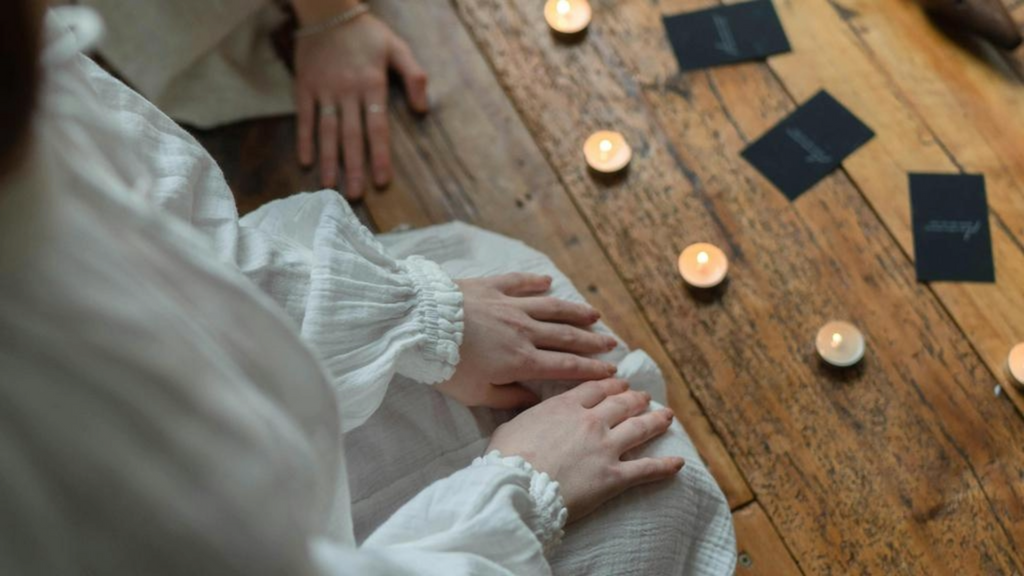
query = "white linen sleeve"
{"x": 496, "y": 517}
{"x": 367, "y": 315}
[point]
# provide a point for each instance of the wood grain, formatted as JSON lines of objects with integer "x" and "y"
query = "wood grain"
{"x": 939, "y": 110}
{"x": 760, "y": 550}
{"x": 472, "y": 159}
{"x": 907, "y": 464}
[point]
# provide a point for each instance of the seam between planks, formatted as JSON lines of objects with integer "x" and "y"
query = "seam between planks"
{"x": 930, "y": 289}
{"x": 899, "y": 94}
{"x": 785, "y": 546}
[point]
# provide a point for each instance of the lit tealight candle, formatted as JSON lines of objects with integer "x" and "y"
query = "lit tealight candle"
{"x": 840, "y": 344}
{"x": 607, "y": 151}
{"x": 1016, "y": 363}
{"x": 567, "y": 16}
{"x": 703, "y": 265}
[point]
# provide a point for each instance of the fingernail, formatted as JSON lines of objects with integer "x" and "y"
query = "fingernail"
{"x": 680, "y": 464}
{"x": 647, "y": 395}
{"x": 610, "y": 344}
{"x": 612, "y": 369}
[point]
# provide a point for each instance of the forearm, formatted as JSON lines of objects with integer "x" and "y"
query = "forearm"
{"x": 313, "y": 11}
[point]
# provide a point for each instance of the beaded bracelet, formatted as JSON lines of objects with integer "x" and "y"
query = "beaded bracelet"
{"x": 346, "y": 16}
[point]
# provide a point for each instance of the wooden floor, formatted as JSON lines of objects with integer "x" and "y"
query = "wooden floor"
{"x": 909, "y": 464}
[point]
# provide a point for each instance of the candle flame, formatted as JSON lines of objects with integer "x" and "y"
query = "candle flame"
{"x": 837, "y": 339}
{"x": 702, "y": 258}
{"x": 563, "y": 7}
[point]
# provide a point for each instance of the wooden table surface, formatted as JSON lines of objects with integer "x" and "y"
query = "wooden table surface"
{"x": 909, "y": 463}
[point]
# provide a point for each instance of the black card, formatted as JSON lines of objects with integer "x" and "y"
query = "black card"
{"x": 726, "y": 34}
{"x": 808, "y": 145}
{"x": 952, "y": 240}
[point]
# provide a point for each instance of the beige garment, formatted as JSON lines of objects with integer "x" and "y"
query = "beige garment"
{"x": 202, "y": 62}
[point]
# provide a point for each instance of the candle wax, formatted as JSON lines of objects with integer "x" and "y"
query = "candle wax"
{"x": 703, "y": 265}
{"x": 607, "y": 151}
{"x": 840, "y": 344}
{"x": 1015, "y": 363}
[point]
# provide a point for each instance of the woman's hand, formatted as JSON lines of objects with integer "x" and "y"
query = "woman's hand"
{"x": 578, "y": 438}
{"x": 512, "y": 334}
{"x": 341, "y": 86}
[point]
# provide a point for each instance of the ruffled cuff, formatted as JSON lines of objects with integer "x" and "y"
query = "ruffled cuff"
{"x": 550, "y": 513}
{"x": 439, "y": 317}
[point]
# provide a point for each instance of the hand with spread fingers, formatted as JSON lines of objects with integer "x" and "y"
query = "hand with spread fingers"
{"x": 513, "y": 333}
{"x": 342, "y": 57}
{"x": 579, "y": 438}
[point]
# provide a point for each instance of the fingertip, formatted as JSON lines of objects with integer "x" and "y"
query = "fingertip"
{"x": 537, "y": 284}
{"x": 305, "y": 155}
{"x": 327, "y": 179}
{"x": 421, "y": 102}
{"x": 611, "y": 369}
{"x": 672, "y": 465}
{"x": 587, "y": 318}
{"x": 354, "y": 189}
{"x": 422, "y": 94}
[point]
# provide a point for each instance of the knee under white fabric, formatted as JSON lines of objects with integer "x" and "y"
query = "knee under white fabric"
{"x": 679, "y": 527}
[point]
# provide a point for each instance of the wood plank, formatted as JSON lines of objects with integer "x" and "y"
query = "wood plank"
{"x": 938, "y": 108}
{"x": 761, "y": 551}
{"x": 472, "y": 159}
{"x": 907, "y": 464}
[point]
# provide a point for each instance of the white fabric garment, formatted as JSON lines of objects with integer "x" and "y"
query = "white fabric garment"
{"x": 175, "y": 383}
{"x": 677, "y": 527}
{"x": 203, "y": 62}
